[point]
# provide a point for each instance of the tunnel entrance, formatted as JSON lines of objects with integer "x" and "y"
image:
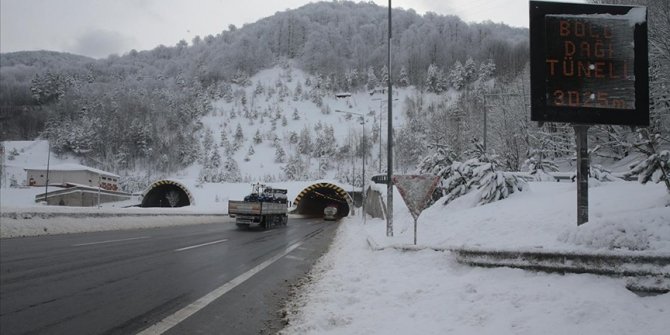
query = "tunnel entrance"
{"x": 167, "y": 193}
{"x": 315, "y": 198}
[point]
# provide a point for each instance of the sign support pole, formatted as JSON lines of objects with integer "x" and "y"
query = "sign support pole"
{"x": 582, "y": 174}
{"x": 389, "y": 168}
{"x": 415, "y": 219}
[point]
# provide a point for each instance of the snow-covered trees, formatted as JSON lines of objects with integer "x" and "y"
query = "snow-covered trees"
{"x": 147, "y": 106}
{"x": 295, "y": 168}
{"x": 372, "y": 79}
{"x": 655, "y": 166}
{"x": 280, "y": 154}
{"x": 435, "y": 81}
{"x": 258, "y": 139}
{"x": 481, "y": 173}
{"x": 305, "y": 142}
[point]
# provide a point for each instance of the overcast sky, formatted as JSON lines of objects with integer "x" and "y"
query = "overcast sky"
{"x": 98, "y": 28}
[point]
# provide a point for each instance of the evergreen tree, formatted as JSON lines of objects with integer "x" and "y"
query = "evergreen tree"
{"x": 259, "y": 88}
{"x": 215, "y": 160}
{"x": 295, "y": 168}
{"x": 297, "y": 94}
{"x": 470, "y": 70}
{"x": 280, "y": 154}
{"x": 372, "y": 79}
{"x": 486, "y": 70}
{"x": 403, "y": 79}
{"x": 239, "y": 138}
{"x": 656, "y": 166}
{"x": 225, "y": 143}
{"x": 258, "y": 139}
{"x": 457, "y": 76}
{"x": 384, "y": 76}
{"x": 434, "y": 79}
{"x": 231, "y": 171}
{"x": 207, "y": 141}
{"x": 293, "y": 137}
{"x": 305, "y": 142}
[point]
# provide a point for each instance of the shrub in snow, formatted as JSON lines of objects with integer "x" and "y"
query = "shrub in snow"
{"x": 458, "y": 181}
{"x": 601, "y": 174}
{"x": 438, "y": 163}
{"x": 12, "y": 154}
{"x": 495, "y": 185}
{"x": 539, "y": 168}
{"x": 481, "y": 173}
{"x": 656, "y": 167}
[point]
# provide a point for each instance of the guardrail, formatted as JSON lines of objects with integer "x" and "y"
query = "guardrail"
{"x": 647, "y": 273}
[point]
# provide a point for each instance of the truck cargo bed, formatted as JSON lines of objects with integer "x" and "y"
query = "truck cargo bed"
{"x": 255, "y": 208}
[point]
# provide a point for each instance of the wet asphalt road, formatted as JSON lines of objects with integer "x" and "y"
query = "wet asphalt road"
{"x": 122, "y": 282}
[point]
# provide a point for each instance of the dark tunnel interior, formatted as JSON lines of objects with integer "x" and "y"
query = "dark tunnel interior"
{"x": 316, "y": 200}
{"x": 162, "y": 195}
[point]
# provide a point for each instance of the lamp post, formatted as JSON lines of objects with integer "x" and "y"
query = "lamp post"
{"x": 364, "y": 154}
{"x": 389, "y": 171}
{"x": 46, "y": 183}
{"x": 381, "y": 108}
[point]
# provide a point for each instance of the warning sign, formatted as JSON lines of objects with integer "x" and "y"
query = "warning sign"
{"x": 416, "y": 190}
{"x": 589, "y": 63}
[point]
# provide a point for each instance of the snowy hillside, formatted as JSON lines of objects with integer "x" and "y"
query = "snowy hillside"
{"x": 283, "y": 115}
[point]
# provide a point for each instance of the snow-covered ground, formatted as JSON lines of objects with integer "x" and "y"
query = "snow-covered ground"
{"x": 356, "y": 290}
{"x": 624, "y": 216}
{"x": 359, "y": 291}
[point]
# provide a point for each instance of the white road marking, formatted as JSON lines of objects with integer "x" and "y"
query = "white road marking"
{"x": 295, "y": 258}
{"x": 111, "y": 241}
{"x": 181, "y": 315}
{"x": 201, "y": 245}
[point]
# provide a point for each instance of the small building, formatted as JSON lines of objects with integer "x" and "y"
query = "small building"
{"x": 343, "y": 95}
{"x": 63, "y": 174}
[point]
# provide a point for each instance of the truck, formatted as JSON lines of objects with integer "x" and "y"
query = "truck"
{"x": 264, "y": 206}
{"x": 329, "y": 213}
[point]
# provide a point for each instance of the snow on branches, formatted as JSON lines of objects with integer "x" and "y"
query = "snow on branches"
{"x": 481, "y": 173}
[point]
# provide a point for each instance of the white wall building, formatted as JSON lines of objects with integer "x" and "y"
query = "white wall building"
{"x": 73, "y": 174}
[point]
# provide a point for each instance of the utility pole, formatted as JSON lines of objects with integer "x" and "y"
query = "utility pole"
{"x": 380, "y": 136}
{"x": 365, "y": 151}
{"x": 46, "y": 183}
{"x": 99, "y": 183}
{"x": 389, "y": 170}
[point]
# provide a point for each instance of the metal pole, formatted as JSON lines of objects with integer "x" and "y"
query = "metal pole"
{"x": 99, "y": 182}
{"x": 415, "y": 219}
{"x": 485, "y": 112}
{"x": 380, "y": 135}
{"x": 389, "y": 171}
{"x": 582, "y": 174}
{"x": 46, "y": 183}
{"x": 364, "y": 152}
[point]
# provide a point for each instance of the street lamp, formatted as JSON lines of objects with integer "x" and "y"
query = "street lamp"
{"x": 364, "y": 154}
{"x": 381, "y": 107}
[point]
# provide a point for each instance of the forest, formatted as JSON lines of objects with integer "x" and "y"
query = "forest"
{"x": 143, "y": 109}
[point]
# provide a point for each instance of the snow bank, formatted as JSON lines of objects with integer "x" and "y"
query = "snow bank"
{"x": 623, "y": 216}
{"x": 359, "y": 291}
{"x": 38, "y": 225}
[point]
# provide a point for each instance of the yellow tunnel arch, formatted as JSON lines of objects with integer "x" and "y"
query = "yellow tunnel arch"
{"x": 156, "y": 194}
{"x": 326, "y": 193}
